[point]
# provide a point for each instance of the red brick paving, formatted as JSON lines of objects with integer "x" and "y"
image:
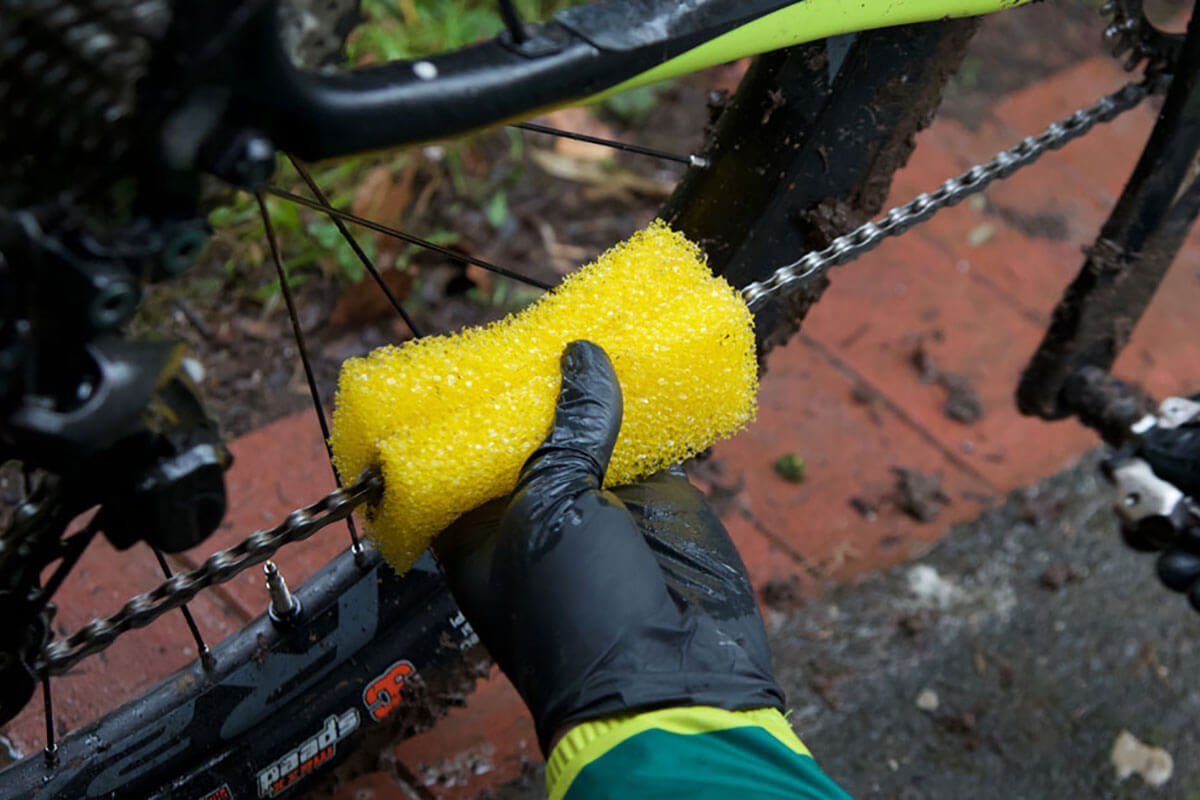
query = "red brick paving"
{"x": 102, "y": 581}
{"x": 973, "y": 287}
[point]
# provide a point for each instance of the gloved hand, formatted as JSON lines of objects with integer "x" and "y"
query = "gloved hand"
{"x": 598, "y": 602}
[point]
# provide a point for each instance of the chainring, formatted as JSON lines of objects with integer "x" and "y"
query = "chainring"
{"x": 1132, "y": 36}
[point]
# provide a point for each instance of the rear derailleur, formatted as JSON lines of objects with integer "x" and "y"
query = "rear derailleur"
{"x": 99, "y": 421}
{"x": 1155, "y": 469}
{"x": 1157, "y": 478}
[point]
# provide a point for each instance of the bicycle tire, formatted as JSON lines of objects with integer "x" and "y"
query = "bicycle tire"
{"x": 358, "y": 624}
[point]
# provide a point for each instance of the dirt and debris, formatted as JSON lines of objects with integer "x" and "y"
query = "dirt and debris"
{"x": 869, "y": 510}
{"x": 963, "y": 403}
{"x": 458, "y": 770}
{"x": 531, "y": 781}
{"x": 927, "y": 700}
{"x": 914, "y": 493}
{"x": 1049, "y": 225}
{"x": 1130, "y": 756}
{"x": 774, "y": 100}
{"x": 1056, "y": 576}
{"x": 918, "y": 494}
{"x": 981, "y": 234}
{"x": 913, "y": 624}
{"x": 864, "y": 395}
{"x": 1056, "y": 700}
{"x": 922, "y": 360}
{"x": 823, "y": 687}
{"x": 828, "y": 220}
{"x": 783, "y": 594}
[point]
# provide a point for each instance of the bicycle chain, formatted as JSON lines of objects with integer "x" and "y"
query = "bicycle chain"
{"x": 844, "y": 249}
{"x": 60, "y": 655}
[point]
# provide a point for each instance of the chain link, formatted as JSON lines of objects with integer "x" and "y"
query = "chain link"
{"x": 223, "y": 565}
{"x": 844, "y": 249}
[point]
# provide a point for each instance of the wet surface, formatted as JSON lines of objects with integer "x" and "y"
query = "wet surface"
{"x": 1008, "y": 662}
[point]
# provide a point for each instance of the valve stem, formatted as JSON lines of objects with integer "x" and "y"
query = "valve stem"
{"x": 285, "y": 606}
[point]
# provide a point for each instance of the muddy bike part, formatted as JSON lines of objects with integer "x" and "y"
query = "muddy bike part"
{"x": 774, "y": 102}
{"x": 1136, "y": 245}
{"x": 583, "y": 53}
{"x": 819, "y": 79}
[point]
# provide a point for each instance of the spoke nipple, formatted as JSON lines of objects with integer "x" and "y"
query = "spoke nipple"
{"x": 360, "y": 554}
{"x": 207, "y": 662}
{"x": 50, "y": 756}
{"x": 285, "y": 607}
{"x": 700, "y": 162}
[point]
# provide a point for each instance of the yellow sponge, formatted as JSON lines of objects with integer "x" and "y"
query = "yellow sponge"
{"x": 451, "y": 419}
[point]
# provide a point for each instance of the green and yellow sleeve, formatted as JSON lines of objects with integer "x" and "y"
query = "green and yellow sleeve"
{"x": 695, "y": 752}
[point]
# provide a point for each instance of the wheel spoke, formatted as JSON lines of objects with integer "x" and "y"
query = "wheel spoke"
{"x": 408, "y": 237}
{"x": 512, "y": 21}
{"x": 206, "y": 659}
{"x": 303, "y": 172}
{"x": 693, "y": 160}
{"x": 72, "y": 548}
{"x": 286, "y": 290}
{"x": 50, "y": 752}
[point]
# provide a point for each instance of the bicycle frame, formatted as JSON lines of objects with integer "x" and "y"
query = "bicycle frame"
{"x": 583, "y": 54}
{"x": 235, "y": 78}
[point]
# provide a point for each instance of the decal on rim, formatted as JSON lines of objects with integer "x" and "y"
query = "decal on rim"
{"x": 304, "y": 758}
{"x": 470, "y": 638}
{"x": 382, "y": 695}
{"x": 220, "y": 793}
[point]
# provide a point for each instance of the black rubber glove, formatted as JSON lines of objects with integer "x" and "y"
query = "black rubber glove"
{"x": 596, "y": 602}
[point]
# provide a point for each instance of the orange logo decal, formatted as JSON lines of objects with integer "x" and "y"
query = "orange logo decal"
{"x": 383, "y": 694}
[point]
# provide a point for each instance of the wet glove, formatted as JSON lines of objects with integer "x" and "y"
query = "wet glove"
{"x": 597, "y": 602}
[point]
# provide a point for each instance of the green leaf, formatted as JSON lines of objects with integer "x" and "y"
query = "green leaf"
{"x": 496, "y": 210}
{"x": 443, "y": 237}
{"x": 791, "y": 468}
{"x": 268, "y": 292}
{"x": 325, "y": 233}
{"x": 285, "y": 216}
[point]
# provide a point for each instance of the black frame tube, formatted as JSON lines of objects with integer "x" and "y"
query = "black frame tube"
{"x": 1098, "y": 312}
{"x": 583, "y": 51}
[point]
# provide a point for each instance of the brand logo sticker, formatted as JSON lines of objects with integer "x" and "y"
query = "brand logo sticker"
{"x": 470, "y": 638}
{"x": 304, "y": 758}
{"x": 382, "y": 695}
{"x": 220, "y": 793}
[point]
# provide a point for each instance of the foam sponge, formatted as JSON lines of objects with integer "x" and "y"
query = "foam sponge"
{"x": 451, "y": 419}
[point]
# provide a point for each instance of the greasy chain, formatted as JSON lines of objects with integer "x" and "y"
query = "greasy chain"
{"x": 844, "y": 249}
{"x": 60, "y": 655}
{"x": 223, "y": 565}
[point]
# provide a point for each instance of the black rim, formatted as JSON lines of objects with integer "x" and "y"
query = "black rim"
{"x": 359, "y": 622}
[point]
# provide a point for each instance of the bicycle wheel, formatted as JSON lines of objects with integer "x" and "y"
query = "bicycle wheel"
{"x": 285, "y": 702}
